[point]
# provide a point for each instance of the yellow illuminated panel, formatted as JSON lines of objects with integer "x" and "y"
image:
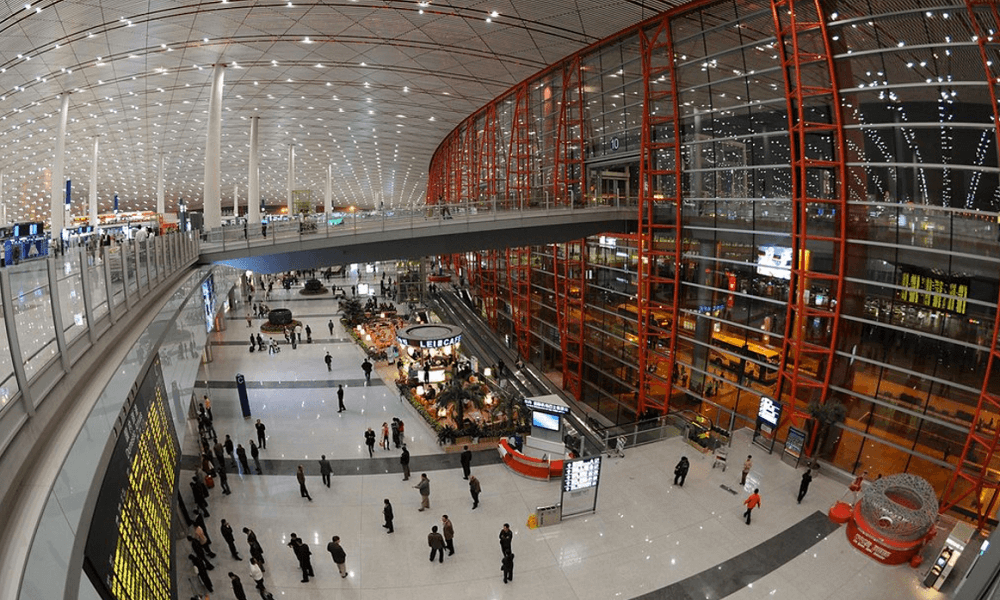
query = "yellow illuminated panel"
{"x": 934, "y": 292}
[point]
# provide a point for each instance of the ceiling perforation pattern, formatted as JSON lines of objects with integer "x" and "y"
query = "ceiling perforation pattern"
{"x": 367, "y": 88}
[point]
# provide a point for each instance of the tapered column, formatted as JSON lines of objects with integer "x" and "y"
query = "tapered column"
{"x": 93, "y": 186}
{"x": 328, "y": 199}
{"x": 160, "y": 202}
{"x": 213, "y": 193}
{"x": 253, "y": 179}
{"x": 291, "y": 177}
{"x": 58, "y": 183}
{"x": 236, "y": 201}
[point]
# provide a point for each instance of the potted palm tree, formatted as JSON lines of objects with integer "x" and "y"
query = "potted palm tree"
{"x": 455, "y": 395}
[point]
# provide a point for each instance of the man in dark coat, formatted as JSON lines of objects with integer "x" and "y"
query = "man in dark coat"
{"x": 255, "y": 549}
{"x": 325, "y": 469}
{"x": 329, "y": 362}
{"x": 338, "y": 554}
{"x": 507, "y": 566}
{"x": 466, "y": 459}
{"x": 340, "y": 398}
{"x": 436, "y": 541}
{"x": 474, "y": 489}
{"x": 387, "y": 513}
{"x": 366, "y": 366}
{"x": 370, "y": 442}
{"x": 241, "y": 454}
{"x": 227, "y": 534}
{"x": 303, "y": 554}
{"x": 681, "y": 471}
{"x": 404, "y": 460}
{"x": 506, "y": 536}
{"x": 804, "y": 486}
{"x": 237, "y": 586}
{"x": 261, "y": 440}
{"x": 228, "y": 445}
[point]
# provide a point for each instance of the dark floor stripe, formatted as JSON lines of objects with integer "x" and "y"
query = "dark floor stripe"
{"x": 217, "y": 384}
{"x": 284, "y": 344}
{"x": 384, "y": 462}
{"x": 300, "y": 317}
{"x": 743, "y": 569}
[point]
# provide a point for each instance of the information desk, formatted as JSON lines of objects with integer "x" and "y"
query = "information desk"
{"x": 529, "y": 466}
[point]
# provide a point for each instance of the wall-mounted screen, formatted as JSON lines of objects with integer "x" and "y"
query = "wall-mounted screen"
{"x": 545, "y": 420}
{"x": 774, "y": 261}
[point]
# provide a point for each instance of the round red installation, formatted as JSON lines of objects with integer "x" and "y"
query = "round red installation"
{"x": 891, "y": 521}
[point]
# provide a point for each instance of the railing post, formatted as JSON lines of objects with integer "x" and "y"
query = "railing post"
{"x": 57, "y": 320}
{"x": 109, "y": 289}
{"x": 14, "y": 345}
{"x": 88, "y": 295}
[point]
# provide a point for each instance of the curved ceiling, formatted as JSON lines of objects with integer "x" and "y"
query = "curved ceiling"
{"x": 370, "y": 88}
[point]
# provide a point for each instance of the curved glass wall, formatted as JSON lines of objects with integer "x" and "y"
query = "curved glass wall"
{"x": 894, "y": 177}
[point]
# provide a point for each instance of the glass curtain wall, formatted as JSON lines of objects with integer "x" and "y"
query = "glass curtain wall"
{"x": 919, "y": 290}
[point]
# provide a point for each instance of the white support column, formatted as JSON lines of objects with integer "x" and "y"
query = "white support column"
{"x": 3, "y": 203}
{"x": 58, "y": 183}
{"x": 93, "y": 186}
{"x": 236, "y": 200}
{"x": 212, "y": 193}
{"x": 328, "y": 199}
{"x": 253, "y": 177}
{"x": 291, "y": 177}
{"x": 160, "y": 202}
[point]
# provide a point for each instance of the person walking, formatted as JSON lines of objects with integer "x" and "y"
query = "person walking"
{"x": 404, "y": 461}
{"x": 219, "y": 452}
{"x": 366, "y": 366}
{"x": 325, "y": 469}
{"x": 681, "y": 471}
{"x": 746, "y": 469}
{"x": 257, "y": 575}
{"x": 507, "y": 566}
{"x": 385, "y": 435}
{"x": 340, "y": 398}
{"x": 255, "y": 549}
{"x": 424, "y": 486}
{"x": 436, "y": 541}
{"x": 227, "y": 534}
{"x": 229, "y": 446}
{"x": 506, "y": 537}
{"x": 330, "y": 326}
{"x": 474, "y": 489}
{"x": 199, "y": 551}
{"x": 338, "y": 554}
{"x": 395, "y": 432}
{"x": 237, "y": 584}
{"x": 301, "y": 476}
{"x": 370, "y": 442}
{"x": 202, "y": 537}
{"x": 249, "y": 320}
{"x": 387, "y": 513}
{"x": 449, "y": 534}
{"x": 329, "y": 362}
{"x": 752, "y": 502}
{"x": 466, "y": 460}
{"x": 804, "y": 485}
{"x": 255, "y": 455}
{"x": 261, "y": 439}
{"x": 241, "y": 453}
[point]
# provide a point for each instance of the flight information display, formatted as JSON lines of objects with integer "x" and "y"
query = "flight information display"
{"x": 581, "y": 474}
{"x": 129, "y": 546}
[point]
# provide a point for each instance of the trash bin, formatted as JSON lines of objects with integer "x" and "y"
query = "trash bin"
{"x": 549, "y": 515}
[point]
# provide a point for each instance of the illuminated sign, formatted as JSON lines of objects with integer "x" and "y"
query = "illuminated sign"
{"x": 130, "y": 544}
{"x": 934, "y": 291}
{"x": 208, "y": 296}
{"x": 769, "y": 411}
{"x": 536, "y": 404}
{"x": 431, "y": 343}
{"x": 581, "y": 474}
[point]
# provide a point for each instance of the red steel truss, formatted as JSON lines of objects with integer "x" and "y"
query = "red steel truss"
{"x": 519, "y": 289}
{"x": 659, "y": 240}
{"x": 818, "y": 184}
{"x": 972, "y": 474}
{"x": 568, "y": 184}
{"x": 519, "y": 151}
{"x": 569, "y": 265}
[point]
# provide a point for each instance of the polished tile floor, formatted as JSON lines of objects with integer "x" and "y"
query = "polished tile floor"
{"x": 647, "y": 539}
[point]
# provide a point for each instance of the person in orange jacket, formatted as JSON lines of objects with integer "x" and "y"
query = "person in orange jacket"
{"x": 752, "y": 502}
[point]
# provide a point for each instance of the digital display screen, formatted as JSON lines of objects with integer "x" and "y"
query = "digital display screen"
{"x": 545, "y": 420}
{"x": 769, "y": 411}
{"x": 129, "y": 545}
{"x": 208, "y": 296}
{"x": 939, "y": 292}
{"x": 774, "y": 261}
{"x": 581, "y": 474}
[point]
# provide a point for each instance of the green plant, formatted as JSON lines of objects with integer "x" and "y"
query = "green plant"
{"x": 447, "y": 435}
{"x": 457, "y": 393}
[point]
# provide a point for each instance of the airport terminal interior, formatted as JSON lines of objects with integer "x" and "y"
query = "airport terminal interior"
{"x": 585, "y": 239}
